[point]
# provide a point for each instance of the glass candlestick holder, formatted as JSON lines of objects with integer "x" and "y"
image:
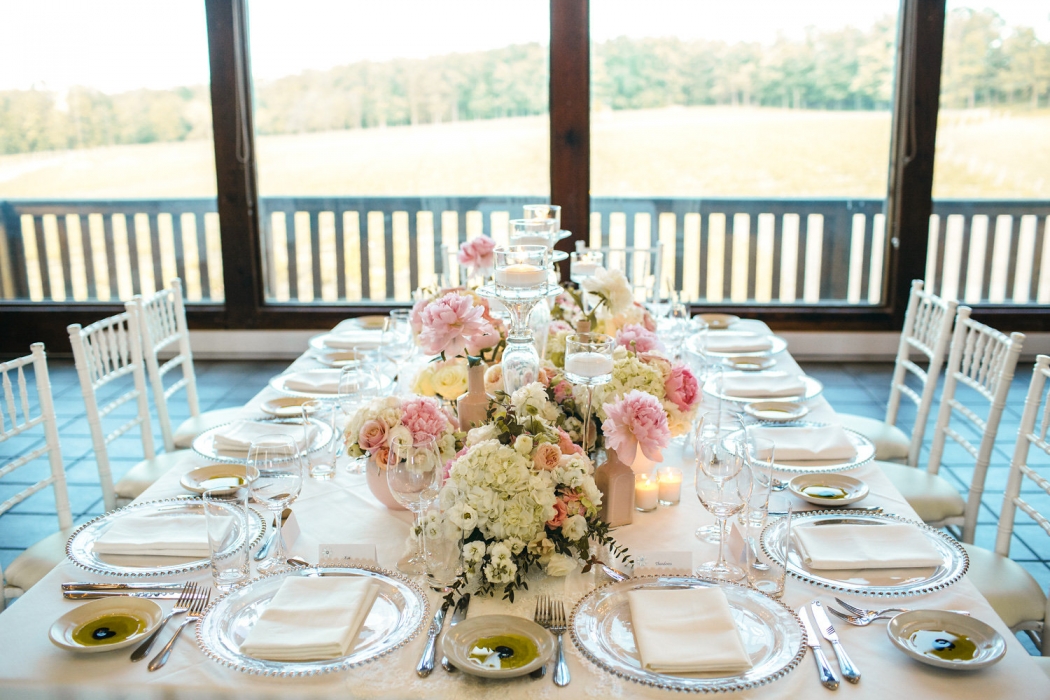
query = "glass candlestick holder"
{"x": 589, "y": 363}
{"x": 519, "y": 283}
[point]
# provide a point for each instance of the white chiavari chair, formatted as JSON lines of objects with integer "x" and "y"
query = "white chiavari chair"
{"x": 927, "y": 330}
{"x": 1014, "y": 593}
{"x": 32, "y": 564}
{"x": 642, "y": 266}
{"x": 161, "y": 320}
{"x": 104, "y": 352}
{"x": 982, "y": 360}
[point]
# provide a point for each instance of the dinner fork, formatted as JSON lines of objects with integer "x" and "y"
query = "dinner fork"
{"x": 181, "y": 605}
{"x": 553, "y": 618}
{"x": 537, "y": 617}
{"x": 863, "y": 618}
{"x": 196, "y": 611}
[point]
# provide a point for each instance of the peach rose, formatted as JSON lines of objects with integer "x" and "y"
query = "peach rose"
{"x": 381, "y": 455}
{"x": 546, "y": 456}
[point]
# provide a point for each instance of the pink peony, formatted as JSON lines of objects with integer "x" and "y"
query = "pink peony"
{"x": 415, "y": 316}
{"x": 681, "y": 388}
{"x": 647, "y": 318}
{"x": 452, "y": 323}
{"x": 476, "y": 254}
{"x": 566, "y": 445}
{"x": 424, "y": 417}
{"x": 560, "y": 516}
{"x": 637, "y": 338}
{"x": 546, "y": 456}
{"x": 637, "y": 421}
{"x": 371, "y": 435}
{"x": 559, "y": 327}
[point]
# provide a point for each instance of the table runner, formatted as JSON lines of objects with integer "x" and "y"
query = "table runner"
{"x": 343, "y": 510}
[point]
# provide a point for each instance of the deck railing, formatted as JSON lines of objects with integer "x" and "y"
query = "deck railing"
{"x": 343, "y": 249}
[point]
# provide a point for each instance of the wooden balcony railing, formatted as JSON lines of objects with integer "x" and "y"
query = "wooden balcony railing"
{"x": 378, "y": 249}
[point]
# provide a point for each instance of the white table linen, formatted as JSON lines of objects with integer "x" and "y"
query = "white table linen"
{"x": 806, "y": 443}
{"x": 890, "y": 546}
{"x": 34, "y": 668}
{"x": 161, "y": 534}
{"x": 755, "y": 385}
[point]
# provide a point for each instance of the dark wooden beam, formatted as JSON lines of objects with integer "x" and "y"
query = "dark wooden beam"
{"x": 570, "y": 104}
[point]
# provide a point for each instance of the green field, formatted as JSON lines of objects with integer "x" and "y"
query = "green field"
{"x": 680, "y": 151}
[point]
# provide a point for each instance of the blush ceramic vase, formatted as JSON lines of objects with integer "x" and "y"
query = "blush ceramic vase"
{"x": 376, "y": 479}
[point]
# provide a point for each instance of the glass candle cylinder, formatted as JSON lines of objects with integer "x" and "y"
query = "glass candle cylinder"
{"x": 544, "y": 211}
{"x": 669, "y": 482}
{"x": 646, "y": 493}
{"x": 532, "y": 232}
{"x": 521, "y": 267}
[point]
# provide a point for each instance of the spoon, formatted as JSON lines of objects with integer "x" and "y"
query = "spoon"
{"x": 297, "y": 561}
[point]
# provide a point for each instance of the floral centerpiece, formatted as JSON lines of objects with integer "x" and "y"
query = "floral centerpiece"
{"x": 523, "y": 496}
{"x": 405, "y": 420}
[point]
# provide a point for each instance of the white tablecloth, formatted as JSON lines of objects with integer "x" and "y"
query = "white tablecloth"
{"x": 344, "y": 511}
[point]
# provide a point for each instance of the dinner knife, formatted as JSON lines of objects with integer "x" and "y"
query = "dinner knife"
{"x": 827, "y": 676}
{"x": 458, "y": 615}
{"x": 426, "y": 661}
{"x": 91, "y": 595}
{"x": 849, "y": 670}
{"x": 92, "y": 586}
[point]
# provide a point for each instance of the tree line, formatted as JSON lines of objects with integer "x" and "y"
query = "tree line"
{"x": 985, "y": 64}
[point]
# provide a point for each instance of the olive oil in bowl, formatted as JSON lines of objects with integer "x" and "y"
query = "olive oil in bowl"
{"x": 109, "y": 629}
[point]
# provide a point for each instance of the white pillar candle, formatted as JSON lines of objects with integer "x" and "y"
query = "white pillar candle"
{"x": 584, "y": 269}
{"x": 521, "y": 275}
{"x": 588, "y": 364}
{"x": 646, "y": 493}
{"x": 670, "y": 485}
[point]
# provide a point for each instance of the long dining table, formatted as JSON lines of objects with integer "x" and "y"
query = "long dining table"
{"x": 343, "y": 511}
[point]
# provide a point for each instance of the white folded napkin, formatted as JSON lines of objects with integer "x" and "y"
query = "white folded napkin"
{"x": 158, "y": 534}
{"x": 237, "y": 437}
{"x": 889, "y": 546}
{"x": 312, "y": 618}
{"x": 753, "y": 385}
{"x": 735, "y": 341}
{"x": 807, "y": 443}
{"x": 346, "y": 340}
{"x": 323, "y": 382}
{"x": 686, "y": 631}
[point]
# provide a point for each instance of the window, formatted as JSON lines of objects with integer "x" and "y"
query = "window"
{"x": 119, "y": 150}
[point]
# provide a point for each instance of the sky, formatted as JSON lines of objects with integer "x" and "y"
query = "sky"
{"x": 102, "y": 43}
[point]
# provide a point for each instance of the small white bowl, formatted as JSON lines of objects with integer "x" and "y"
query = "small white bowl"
{"x": 204, "y": 478}
{"x": 990, "y": 646}
{"x": 855, "y": 488}
{"x": 460, "y": 639}
{"x": 285, "y": 406}
{"x": 61, "y": 632}
{"x": 776, "y": 411}
{"x": 719, "y": 322}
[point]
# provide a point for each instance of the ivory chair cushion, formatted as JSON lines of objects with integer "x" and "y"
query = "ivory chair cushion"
{"x": 1043, "y": 662}
{"x": 890, "y": 441}
{"x": 195, "y": 425}
{"x": 932, "y": 496}
{"x": 33, "y": 564}
{"x": 143, "y": 474}
{"x": 1013, "y": 592}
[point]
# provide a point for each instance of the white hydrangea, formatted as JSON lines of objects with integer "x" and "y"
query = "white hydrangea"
{"x": 481, "y": 434}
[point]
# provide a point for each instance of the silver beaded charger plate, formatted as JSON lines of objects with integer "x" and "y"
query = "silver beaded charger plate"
{"x": 398, "y": 614}
{"x": 771, "y": 633}
{"x": 871, "y": 582}
{"x": 865, "y": 452}
{"x": 81, "y": 544}
{"x": 204, "y": 444}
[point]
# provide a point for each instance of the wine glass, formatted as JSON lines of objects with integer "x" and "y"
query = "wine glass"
{"x": 322, "y": 466}
{"x": 398, "y": 344}
{"x": 679, "y": 327}
{"x": 358, "y": 385}
{"x": 723, "y": 485}
{"x": 275, "y": 468}
{"x": 413, "y": 474}
{"x": 713, "y": 425}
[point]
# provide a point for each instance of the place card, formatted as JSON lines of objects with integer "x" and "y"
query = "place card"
{"x": 289, "y": 530}
{"x": 662, "y": 563}
{"x": 347, "y": 552}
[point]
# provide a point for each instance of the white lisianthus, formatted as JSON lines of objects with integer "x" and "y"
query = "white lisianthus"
{"x": 473, "y": 552}
{"x": 481, "y": 434}
{"x": 523, "y": 445}
{"x": 432, "y": 525}
{"x": 463, "y": 516}
{"x": 399, "y": 435}
{"x": 613, "y": 285}
{"x": 515, "y": 545}
{"x": 574, "y": 528}
{"x": 501, "y": 573}
{"x": 560, "y": 564}
{"x": 591, "y": 491}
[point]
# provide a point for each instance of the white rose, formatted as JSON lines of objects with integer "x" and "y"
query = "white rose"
{"x": 390, "y": 416}
{"x": 462, "y": 516}
{"x": 399, "y": 435}
{"x": 473, "y": 552}
{"x": 574, "y": 528}
{"x": 481, "y": 434}
{"x": 560, "y": 565}
{"x": 523, "y": 445}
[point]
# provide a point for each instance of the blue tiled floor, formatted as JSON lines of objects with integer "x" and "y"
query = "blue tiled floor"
{"x": 861, "y": 389}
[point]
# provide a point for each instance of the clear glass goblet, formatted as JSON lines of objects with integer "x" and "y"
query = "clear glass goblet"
{"x": 413, "y": 475}
{"x": 723, "y": 485}
{"x": 275, "y": 469}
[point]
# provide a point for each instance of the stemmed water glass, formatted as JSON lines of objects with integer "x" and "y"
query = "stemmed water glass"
{"x": 413, "y": 474}
{"x": 275, "y": 469}
{"x": 324, "y": 412}
{"x": 678, "y": 328}
{"x": 723, "y": 485}
{"x": 358, "y": 385}
{"x": 713, "y": 425}
{"x": 398, "y": 344}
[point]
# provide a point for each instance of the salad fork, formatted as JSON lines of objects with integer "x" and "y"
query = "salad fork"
{"x": 558, "y": 626}
{"x": 181, "y": 605}
{"x": 863, "y": 618}
{"x": 538, "y": 617}
{"x": 196, "y": 612}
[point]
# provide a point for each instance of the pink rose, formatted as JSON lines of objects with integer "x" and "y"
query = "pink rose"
{"x": 546, "y": 456}
{"x": 371, "y": 435}
{"x": 638, "y": 339}
{"x": 636, "y": 422}
{"x": 476, "y": 254}
{"x": 451, "y": 324}
{"x": 681, "y": 388}
{"x": 560, "y": 516}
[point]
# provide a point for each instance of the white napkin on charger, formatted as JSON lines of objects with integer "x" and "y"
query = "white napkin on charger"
{"x": 158, "y": 534}
{"x": 323, "y": 382}
{"x": 752, "y": 385}
{"x": 807, "y": 443}
{"x": 889, "y": 546}
{"x": 346, "y": 340}
{"x": 686, "y": 631}
{"x": 237, "y": 437}
{"x": 312, "y": 618}
{"x": 736, "y": 341}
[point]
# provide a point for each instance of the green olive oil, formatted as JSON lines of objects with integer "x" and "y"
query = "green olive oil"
{"x": 829, "y": 492}
{"x": 944, "y": 645}
{"x": 108, "y": 629}
{"x": 504, "y": 651}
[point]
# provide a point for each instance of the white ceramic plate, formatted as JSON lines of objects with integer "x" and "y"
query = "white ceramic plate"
{"x": 278, "y": 383}
{"x": 215, "y": 476}
{"x": 373, "y": 322}
{"x": 285, "y": 406}
{"x": 777, "y": 345}
{"x": 368, "y": 339}
{"x": 459, "y": 640}
{"x": 776, "y": 411}
{"x": 812, "y": 388}
{"x": 852, "y": 489}
{"x": 147, "y": 611}
{"x": 749, "y": 363}
{"x": 339, "y": 358}
{"x": 931, "y": 635}
{"x": 864, "y": 447}
{"x": 719, "y": 322}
